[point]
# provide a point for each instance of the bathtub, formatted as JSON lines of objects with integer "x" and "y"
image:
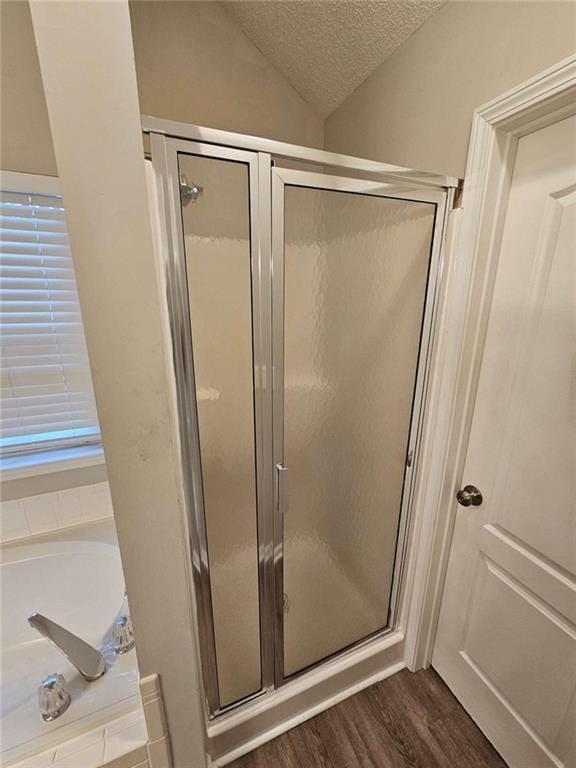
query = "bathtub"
{"x": 75, "y": 578}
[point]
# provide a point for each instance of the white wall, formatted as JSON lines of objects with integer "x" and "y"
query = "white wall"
{"x": 25, "y": 140}
{"x": 99, "y": 151}
{"x": 416, "y": 109}
{"x": 194, "y": 64}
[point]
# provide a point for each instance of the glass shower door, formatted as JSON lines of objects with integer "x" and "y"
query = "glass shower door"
{"x": 300, "y": 310}
{"x": 218, "y": 289}
{"x": 351, "y": 266}
{"x": 216, "y": 228}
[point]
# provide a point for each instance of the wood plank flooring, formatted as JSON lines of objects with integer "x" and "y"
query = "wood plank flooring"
{"x": 406, "y": 721}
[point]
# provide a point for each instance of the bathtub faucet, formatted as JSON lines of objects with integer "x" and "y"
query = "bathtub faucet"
{"x": 87, "y": 660}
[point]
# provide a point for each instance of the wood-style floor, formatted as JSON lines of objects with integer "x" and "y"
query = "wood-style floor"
{"x": 406, "y": 721}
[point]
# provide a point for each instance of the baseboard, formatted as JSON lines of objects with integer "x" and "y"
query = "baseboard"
{"x": 237, "y": 733}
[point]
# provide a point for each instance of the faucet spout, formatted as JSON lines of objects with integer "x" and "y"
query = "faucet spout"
{"x": 87, "y": 660}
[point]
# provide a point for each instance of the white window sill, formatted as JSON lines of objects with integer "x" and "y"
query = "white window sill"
{"x": 49, "y": 462}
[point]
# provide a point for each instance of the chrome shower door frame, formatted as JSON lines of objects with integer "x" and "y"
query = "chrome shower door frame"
{"x": 164, "y": 154}
{"x": 167, "y": 139}
{"x": 282, "y": 177}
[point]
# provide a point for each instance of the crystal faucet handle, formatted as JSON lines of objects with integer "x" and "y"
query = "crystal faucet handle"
{"x": 53, "y": 698}
{"x": 123, "y": 636}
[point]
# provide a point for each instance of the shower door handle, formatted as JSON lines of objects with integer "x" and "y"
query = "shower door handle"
{"x": 282, "y": 488}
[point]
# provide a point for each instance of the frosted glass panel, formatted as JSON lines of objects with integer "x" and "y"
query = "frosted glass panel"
{"x": 356, "y": 269}
{"x": 217, "y": 245}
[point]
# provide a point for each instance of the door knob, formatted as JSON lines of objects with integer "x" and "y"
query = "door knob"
{"x": 469, "y": 496}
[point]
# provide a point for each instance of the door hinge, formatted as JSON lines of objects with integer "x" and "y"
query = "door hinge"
{"x": 281, "y": 488}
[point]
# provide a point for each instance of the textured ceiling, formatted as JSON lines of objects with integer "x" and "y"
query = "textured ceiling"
{"x": 327, "y": 48}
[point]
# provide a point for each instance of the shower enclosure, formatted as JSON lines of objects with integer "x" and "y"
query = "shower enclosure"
{"x": 301, "y": 289}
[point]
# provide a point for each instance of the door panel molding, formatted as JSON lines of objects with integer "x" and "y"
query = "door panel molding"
{"x": 532, "y": 749}
{"x": 557, "y": 588}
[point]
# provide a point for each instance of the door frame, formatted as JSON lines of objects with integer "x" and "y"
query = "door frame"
{"x": 475, "y": 244}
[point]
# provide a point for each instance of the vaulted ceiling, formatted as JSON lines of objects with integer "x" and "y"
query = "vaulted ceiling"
{"x": 326, "y": 48}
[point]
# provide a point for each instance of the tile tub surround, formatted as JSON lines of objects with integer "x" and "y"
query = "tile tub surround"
{"x": 136, "y": 740}
{"x": 124, "y": 737}
{"x": 47, "y": 512}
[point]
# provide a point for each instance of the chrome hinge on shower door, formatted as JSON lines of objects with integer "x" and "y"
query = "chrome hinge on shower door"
{"x": 281, "y": 488}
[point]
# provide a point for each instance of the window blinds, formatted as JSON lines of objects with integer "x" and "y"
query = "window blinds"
{"x": 47, "y": 396}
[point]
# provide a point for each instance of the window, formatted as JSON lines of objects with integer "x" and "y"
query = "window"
{"x": 47, "y": 396}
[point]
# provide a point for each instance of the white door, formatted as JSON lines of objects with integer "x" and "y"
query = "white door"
{"x": 506, "y": 643}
